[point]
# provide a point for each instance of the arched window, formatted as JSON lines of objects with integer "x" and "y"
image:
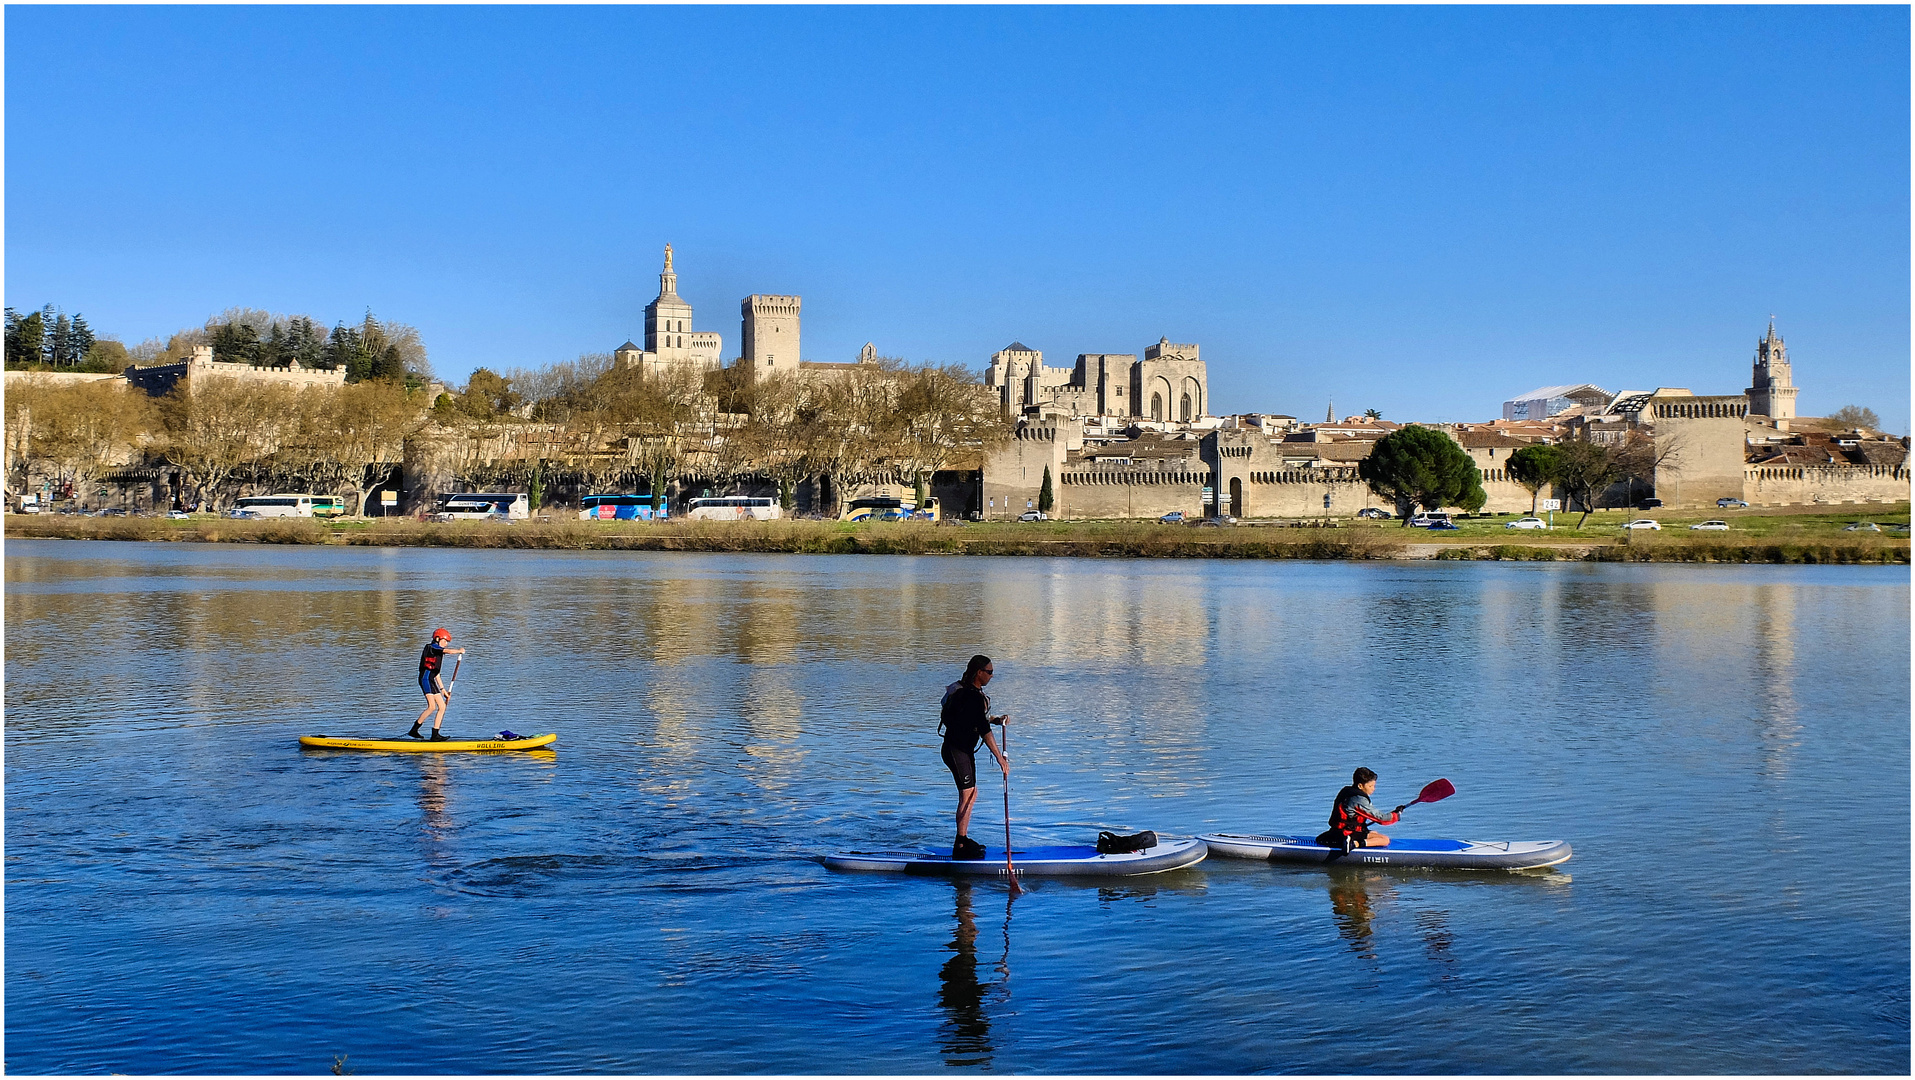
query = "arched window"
{"x": 1183, "y": 409}
{"x": 1156, "y": 406}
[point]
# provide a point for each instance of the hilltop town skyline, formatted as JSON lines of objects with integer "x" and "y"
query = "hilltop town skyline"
{"x": 1422, "y": 212}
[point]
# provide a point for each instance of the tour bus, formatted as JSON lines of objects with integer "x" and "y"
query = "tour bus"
{"x": 620, "y": 508}
{"x": 484, "y": 505}
{"x": 292, "y": 505}
{"x": 734, "y": 508}
{"x": 889, "y": 508}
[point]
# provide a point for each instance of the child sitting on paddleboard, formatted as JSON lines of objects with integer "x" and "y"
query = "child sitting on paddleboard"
{"x": 1353, "y": 814}
{"x": 431, "y": 663}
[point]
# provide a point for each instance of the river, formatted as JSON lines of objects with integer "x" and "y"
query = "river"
{"x": 188, "y": 891}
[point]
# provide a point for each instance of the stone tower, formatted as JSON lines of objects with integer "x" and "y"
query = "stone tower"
{"x": 770, "y": 333}
{"x": 668, "y": 319}
{"x": 1773, "y": 391}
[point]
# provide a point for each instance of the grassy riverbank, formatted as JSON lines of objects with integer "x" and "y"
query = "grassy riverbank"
{"x": 1756, "y": 537}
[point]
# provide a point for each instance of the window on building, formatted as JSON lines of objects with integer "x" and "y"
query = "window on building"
{"x": 1156, "y": 406}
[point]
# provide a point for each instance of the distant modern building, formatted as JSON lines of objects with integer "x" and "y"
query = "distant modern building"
{"x": 1547, "y": 401}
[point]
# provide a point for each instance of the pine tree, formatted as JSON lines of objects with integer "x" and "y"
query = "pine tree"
{"x": 25, "y": 338}
{"x": 59, "y": 348}
{"x": 82, "y": 339}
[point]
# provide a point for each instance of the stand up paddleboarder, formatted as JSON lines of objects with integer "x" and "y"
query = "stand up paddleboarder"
{"x": 966, "y": 721}
{"x": 1352, "y": 815}
{"x": 431, "y": 662}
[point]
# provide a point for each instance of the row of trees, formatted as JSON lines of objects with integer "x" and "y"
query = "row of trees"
{"x": 211, "y": 430}
{"x": 369, "y": 349}
{"x": 48, "y": 337}
{"x": 1422, "y": 467}
{"x": 604, "y": 427}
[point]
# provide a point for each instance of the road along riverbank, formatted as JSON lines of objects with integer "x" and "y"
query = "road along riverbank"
{"x": 1813, "y": 538}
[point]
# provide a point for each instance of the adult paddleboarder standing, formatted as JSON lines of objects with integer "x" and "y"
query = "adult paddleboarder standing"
{"x": 966, "y": 721}
{"x": 436, "y": 690}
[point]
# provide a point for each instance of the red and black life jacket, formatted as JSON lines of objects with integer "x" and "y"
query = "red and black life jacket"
{"x": 1342, "y": 821}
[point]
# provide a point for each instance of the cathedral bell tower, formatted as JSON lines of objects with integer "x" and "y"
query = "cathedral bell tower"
{"x": 668, "y": 319}
{"x": 1773, "y": 391}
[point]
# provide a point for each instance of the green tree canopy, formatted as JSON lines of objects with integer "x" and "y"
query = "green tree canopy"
{"x": 1419, "y": 466}
{"x": 1535, "y": 467}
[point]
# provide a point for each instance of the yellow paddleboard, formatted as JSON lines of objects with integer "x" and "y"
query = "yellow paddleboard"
{"x": 324, "y": 742}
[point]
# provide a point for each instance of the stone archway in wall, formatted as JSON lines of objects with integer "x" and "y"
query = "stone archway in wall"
{"x": 1183, "y": 409}
{"x": 1195, "y": 393}
{"x": 1160, "y": 391}
{"x": 1236, "y": 496}
{"x": 1156, "y": 406}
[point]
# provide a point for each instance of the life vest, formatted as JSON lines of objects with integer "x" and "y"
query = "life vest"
{"x": 1342, "y": 821}
{"x": 430, "y": 659}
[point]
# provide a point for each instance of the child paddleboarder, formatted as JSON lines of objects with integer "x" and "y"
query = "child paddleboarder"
{"x": 966, "y": 720}
{"x": 431, "y": 663}
{"x": 1352, "y": 815}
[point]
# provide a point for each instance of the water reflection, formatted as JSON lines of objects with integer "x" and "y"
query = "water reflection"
{"x": 965, "y": 1037}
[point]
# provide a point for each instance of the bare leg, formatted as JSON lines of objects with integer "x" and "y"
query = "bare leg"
{"x": 1377, "y": 839}
{"x": 967, "y": 798}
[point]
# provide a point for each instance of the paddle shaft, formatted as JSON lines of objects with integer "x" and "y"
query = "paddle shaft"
{"x": 456, "y": 661}
{"x": 1010, "y": 871}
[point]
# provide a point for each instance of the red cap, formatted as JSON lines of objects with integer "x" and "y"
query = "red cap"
{"x": 442, "y": 632}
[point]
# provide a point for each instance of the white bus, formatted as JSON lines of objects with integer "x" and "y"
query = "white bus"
{"x": 483, "y": 506}
{"x": 292, "y": 505}
{"x": 734, "y": 508}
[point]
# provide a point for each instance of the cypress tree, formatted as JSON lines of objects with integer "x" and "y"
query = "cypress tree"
{"x": 1044, "y": 500}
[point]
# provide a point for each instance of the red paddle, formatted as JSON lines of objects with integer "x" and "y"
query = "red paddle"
{"x": 1432, "y": 792}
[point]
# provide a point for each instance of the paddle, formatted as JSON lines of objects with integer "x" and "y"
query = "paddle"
{"x": 1010, "y": 871}
{"x": 1433, "y": 791}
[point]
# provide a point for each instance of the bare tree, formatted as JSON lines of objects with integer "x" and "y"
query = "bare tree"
{"x": 944, "y": 413}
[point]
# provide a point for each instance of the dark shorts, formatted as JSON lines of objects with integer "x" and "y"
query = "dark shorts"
{"x": 963, "y": 766}
{"x": 425, "y": 683}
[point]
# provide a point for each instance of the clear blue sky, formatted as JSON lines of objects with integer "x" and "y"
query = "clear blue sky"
{"x": 1419, "y": 210}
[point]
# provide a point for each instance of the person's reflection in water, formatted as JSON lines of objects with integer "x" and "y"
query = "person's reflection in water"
{"x": 432, "y": 795}
{"x": 965, "y": 1037}
{"x": 1351, "y": 900}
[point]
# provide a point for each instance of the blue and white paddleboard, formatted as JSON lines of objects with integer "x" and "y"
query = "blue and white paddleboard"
{"x": 1403, "y": 851}
{"x": 1035, "y": 862}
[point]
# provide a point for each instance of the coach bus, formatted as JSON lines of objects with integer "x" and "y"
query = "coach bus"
{"x": 888, "y": 508}
{"x": 292, "y": 505}
{"x": 484, "y": 505}
{"x": 620, "y": 508}
{"x": 734, "y": 508}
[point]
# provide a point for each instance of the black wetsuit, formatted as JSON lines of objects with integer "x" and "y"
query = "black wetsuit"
{"x": 966, "y": 717}
{"x": 431, "y": 662}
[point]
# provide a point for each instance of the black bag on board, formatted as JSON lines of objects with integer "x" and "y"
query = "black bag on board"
{"x": 1109, "y": 843}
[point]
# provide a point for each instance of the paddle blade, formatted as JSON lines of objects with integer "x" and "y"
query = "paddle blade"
{"x": 1434, "y": 790}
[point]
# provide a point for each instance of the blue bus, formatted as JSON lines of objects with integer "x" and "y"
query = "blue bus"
{"x": 620, "y": 508}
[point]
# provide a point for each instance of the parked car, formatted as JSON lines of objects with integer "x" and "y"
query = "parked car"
{"x": 113, "y": 511}
{"x": 1211, "y": 522}
{"x": 1033, "y": 515}
{"x": 1862, "y": 526}
{"x": 1375, "y": 513}
{"x": 1711, "y": 526}
{"x": 1425, "y": 521}
{"x": 1441, "y": 524}
{"x": 1527, "y": 523}
{"x": 1648, "y": 504}
{"x": 1644, "y": 523}
{"x": 248, "y": 515}
{"x": 178, "y": 515}
{"x": 1175, "y": 517}
{"x": 1726, "y": 504}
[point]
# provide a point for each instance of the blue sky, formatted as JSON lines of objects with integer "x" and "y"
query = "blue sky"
{"x": 1419, "y": 210}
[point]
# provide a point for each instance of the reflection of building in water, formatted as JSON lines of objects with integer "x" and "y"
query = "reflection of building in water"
{"x": 1776, "y": 710}
{"x": 965, "y": 1037}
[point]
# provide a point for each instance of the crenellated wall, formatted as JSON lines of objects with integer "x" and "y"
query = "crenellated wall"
{"x": 1785, "y": 485}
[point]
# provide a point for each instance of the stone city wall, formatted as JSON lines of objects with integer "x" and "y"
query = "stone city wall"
{"x": 1785, "y": 485}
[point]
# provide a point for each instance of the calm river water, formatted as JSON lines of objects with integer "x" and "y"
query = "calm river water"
{"x": 188, "y": 891}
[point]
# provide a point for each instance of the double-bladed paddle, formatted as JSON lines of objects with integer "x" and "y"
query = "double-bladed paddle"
{"x": 1432, "y": 792}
